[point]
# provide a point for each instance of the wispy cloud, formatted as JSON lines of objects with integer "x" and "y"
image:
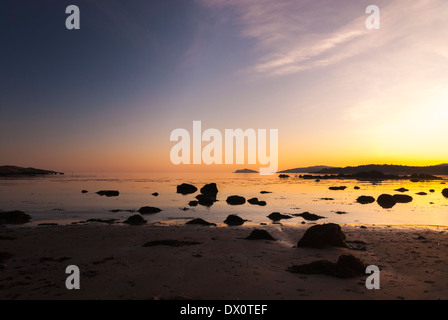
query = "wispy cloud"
{"x": 293, "y": 36}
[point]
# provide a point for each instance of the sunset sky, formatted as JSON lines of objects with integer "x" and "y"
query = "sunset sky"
{"x": 106, "y": 97}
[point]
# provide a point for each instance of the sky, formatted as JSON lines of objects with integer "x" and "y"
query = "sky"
{"x": 106, "y": 97}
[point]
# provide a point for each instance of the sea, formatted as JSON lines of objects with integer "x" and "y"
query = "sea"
{"x": 58, "y": 199}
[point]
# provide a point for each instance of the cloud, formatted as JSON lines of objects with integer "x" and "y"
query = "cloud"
{"x": 293, "y": 36}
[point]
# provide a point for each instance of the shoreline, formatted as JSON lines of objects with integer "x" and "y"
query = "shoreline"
{"x": 223, "y": 266}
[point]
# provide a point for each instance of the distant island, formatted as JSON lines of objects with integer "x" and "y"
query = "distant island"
{"x": 6, "y": 171}
{"x": 312, "y": 169}
{"x": 245, "y": 171}
{"x": 388, "y": 169}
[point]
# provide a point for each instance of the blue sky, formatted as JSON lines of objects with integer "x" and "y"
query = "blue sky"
{"x": 108, "y": 95}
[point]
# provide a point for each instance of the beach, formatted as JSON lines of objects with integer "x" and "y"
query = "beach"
{"x": 221, "y": 265}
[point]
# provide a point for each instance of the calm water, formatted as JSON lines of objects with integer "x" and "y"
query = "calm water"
{"x": 59, "y": 198}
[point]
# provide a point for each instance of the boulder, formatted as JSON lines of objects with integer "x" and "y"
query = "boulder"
{"x": 445, "y": 193}
{"x": 421, "y": 193}
{"x": 203, "y": 200}
{"x": 255, "y": 201}
{"x": 402, "y": 198}
{"x": 234, "y": 220}
{"x": 402, "y": 190}
{"x": 264, "y": 192}
{"x": 258, "y": 234}
{"x": 283, "y": 176}
{"x": 14, "y": 217}
{"x": 135, "y": 220}
{"x": 338, "y": 188}
{"x": 347, "y": 266}
{"x": 186, "y": 188}
{"x": 210, "y": 190}
{"x": 193, "y": 203}
{"x": 149, "y": 210}
{"x": 84, "y": 191}
{"x": 201, "y": 222}
{"x": 277, "y": 216}
{"x": 309, "y": 216}
{"x": 386, "y": 201}
{"x": 365, "y": 199}
{"x": 108, "y": 193}
{"x": 155, "y": 194}
{"x": 319, "y": 236}
{"x": 235, "y": 200}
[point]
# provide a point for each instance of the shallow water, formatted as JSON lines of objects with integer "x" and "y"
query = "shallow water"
{"x": 59, "y": 198}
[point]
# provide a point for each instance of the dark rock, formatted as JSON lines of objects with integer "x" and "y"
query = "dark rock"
{"x": 386, "y": 201}
{"x": 135, "y": 220}
{"x": 108, "y": 221}
{"x": 193, "y": 203}
{"x": 319, "y": 236}
{"x": 155, "y": 194}
{"x": 201, "y": 222}
{"x": 264, "y": 192}
{"x": 277, "y": 216}
{"x": 309, "y": 216}
{"x": 422, "y": 193}
{"x": 283, "y": 176}
{"x": 258, "y": 234}
{"x": 235, "y": 200}
{"x": 356, "y": 188}
{"x": 402, "y": 190}
{"x": 338, "y": 188}
{"x": 234, "y": 220}
{"x": 340, "y": 212}
{"x": 445, "y": 193}
{"x": 255, "y": 201}
{"x": 210, "y": 190}
{"x": 432, "y": 190}
{"x": 203, "y": 200}
{"x": 148, "y": 210}
{"x": 365, "y": 199}
{"x": 108, "y": 193}
{"x": 402, "y": 198}
{"x": 171, "y": 243}
{"x": 347, "y": 266}
{"x": 14, "y": 217}
{"x": 84, "y": 191}
{"x": 186, "y": 188}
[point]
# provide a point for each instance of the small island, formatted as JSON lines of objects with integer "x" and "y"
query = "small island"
{"x": 10, "y": 171}
{"x": 245, "y": 171}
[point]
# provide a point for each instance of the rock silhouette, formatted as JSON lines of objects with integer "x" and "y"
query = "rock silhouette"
{"x": 14, "y": 217}
{"x": 234, "y": 220}
{"x": 386, "y": 201}
{"x": 402, "y": 198}
{"x": 236, "y": 200}
{"x": 108, "y": 193}
{"x": 277, "y": 216}
{"x": 201, "y": 222}
{"x": 259, "y": 234}
{"x": 149, "y": 210}
{"x": 309, "y": 216}
{"x": 320, "y": 236}
{"x": 445, "y": 193}
{"x": 135, "y": 220}
{"x": 338, "y": 188}
{"x": 186, "y": 188}
{"x": 210, "y": 190}
{"x": 365, "y": 199}
{"x": 255, "y": 201}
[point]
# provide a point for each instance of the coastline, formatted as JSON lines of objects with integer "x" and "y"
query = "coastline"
{"x": 114, "y": 264}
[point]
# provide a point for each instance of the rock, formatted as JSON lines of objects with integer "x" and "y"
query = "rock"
{"x": 402, "y": 190}
{"x": 319, "y": 236}
{"x": 149, "y": 210}
{"x": 309, "y": 216}
{"x": 264, "y": 192}
{"x": 203, "y": 200}
{"x": 108, "y": 221}
{"x": 338, "y": 188}
{"x": 432, "y": 190}
{"x": 255, "y": 201}
{"x": 84, "y": 191}
{"x": 186, "y": 188}
{"x": 14, "y": 217}
{"x": 283, "y": 176}
{"x": 108, "y": 193}
{"x": 193, "y": 203}
{"x": 277, "y": 216}
{"x": 386, "y": 201}
{"x": 234, "y": 220}
{"x": 365, "y": 199}
{"x": 210, "y": 190}
{"x": 258, "y": 234}
{"x": 235, "y": 200}
{"x": 171, "y": 243}
{"x": 402, "y": 198}
{"x": 356, "y": 188}
{"x": 445, "y": 193}
{"x": 135, "y": 220}
{"x": 347, "y": 266}
{"x": 155, "y": 194}
{"x": 201, "y": 222}
{"x": 422, "y": 193}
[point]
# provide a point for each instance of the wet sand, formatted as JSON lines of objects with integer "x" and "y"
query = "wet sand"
{"x": 115, "y": 265}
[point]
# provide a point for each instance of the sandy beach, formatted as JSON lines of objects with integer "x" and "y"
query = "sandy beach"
{"x": 114, "y": 264}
